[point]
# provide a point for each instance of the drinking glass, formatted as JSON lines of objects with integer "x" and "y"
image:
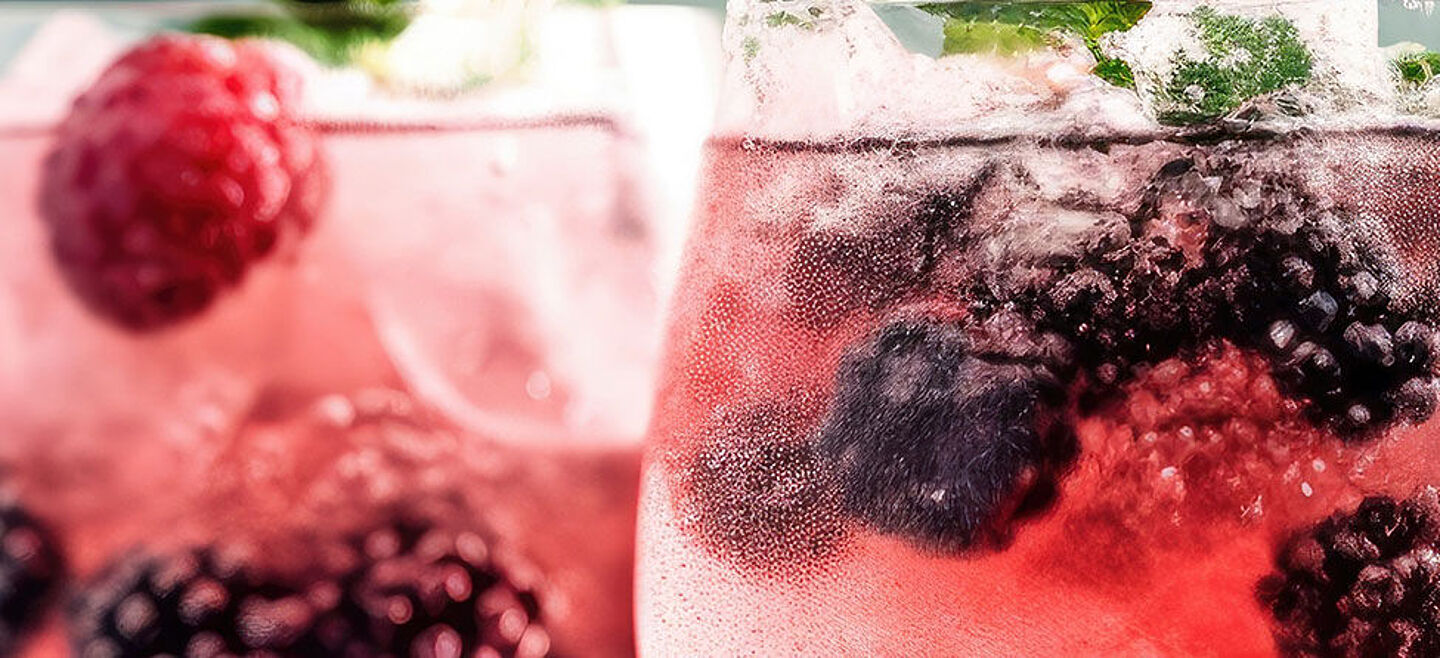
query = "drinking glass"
{"x": 1054, "y": 328}
{"x": 471, "y": 325}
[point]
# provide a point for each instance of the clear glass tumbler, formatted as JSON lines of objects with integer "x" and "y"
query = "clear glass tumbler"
{"x": 1054, "y": 328}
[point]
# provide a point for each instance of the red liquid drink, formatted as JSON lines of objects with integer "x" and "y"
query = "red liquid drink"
{"x": 1044, "y": 372}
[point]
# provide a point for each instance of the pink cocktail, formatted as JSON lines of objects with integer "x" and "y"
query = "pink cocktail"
{"x": 1004, "y": 353}
{"x": 457, "y": 354}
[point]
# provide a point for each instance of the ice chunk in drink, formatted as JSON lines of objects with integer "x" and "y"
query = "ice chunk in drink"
{"x": 993, "y": 354}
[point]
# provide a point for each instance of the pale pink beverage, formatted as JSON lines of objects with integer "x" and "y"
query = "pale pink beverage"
{"x": 466, "y": 337}
{"x": 993, "y": 354}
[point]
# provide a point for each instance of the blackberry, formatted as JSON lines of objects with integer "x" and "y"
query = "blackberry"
{"x": 763, "y": 497}
{"x": 1321, "y": 278}
{"x": 1364, "y": 583}
{"x": 409, "y": 589}
{"x": 421, "y": 590}
{"x": 196, "y": 603}
{"x": 934, "y": 443}
{"x": 1220, "y": 248}
{"x": 30, "y": 569}
{"x": 832, "y": 274}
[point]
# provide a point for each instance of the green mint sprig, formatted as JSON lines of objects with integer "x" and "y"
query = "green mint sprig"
{"x": 334, "y": 33}
{"x": 1245, "y": 58}
{"x": 1416, "y": 69}
{"x": 1017, "y": 27}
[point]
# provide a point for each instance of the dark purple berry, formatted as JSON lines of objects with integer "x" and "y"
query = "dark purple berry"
{"x": 763, "y": 499}
{"x": 30, "y": 570}
{"x": 197, "y": 603}
{"x": 1318, "y": 310}
{"x": 932, "y": 443}
{"x": 1364, "y": 583}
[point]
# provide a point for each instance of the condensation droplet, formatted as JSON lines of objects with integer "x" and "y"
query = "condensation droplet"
{"x": 336, "y": 410}
{"x": 537, "y": 385}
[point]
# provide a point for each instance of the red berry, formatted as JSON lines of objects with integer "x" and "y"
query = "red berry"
{"x": 1209, "y": 437}
{"x": 179, "y": 168}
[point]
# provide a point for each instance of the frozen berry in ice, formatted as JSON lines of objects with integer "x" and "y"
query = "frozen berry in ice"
{"x": 201, "y": 602}
{"x": 936, "y": 444}
{"x": 181, "y": 167}
{"x": 1362, "y": 583}
{"x": 30, "y": 570}
{"x": 762, "y": 496}
{"x": 419, "y": 590}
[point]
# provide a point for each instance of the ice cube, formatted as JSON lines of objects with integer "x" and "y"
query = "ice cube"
{"x": 1342, "y": 69}
{"x": 826, "y": 69}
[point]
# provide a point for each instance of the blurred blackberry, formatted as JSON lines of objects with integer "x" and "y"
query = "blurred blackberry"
{"x": 198, "y": 603}
{"x": 763, "y": 498}
{"x": 933, "y": 443}
{"x": 1221, "y": 249}
{"x": 1362, "y": 584}
{"x": 30, "y": 569}
{"x": 419, "y": 590}
{"x": 833, "y": 273}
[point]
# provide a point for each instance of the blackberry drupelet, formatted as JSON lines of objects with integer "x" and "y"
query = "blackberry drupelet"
{"x": 421, "y": 590}
{"x": 30, "y": 570}
{"x": 1365, "y": 583}
{"x": 194, "y": 604}
{"x": 934, "y": 443}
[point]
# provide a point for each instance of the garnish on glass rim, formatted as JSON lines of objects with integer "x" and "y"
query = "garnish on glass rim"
{"x": 1021, "y": 27}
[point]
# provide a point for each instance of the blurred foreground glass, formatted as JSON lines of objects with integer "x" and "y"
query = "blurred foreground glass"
{"x": 1048, "y": 328}
{"x": 471, "y": 326}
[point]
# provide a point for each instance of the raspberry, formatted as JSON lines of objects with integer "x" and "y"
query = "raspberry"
{"x": 30, "y": 570}
{"x": 202, "y": 602}
{"x": 934, "y": 443}
{"x": 1364, "y": 583}
{"x": 1207, "y": 436}
{"x": 761, "y": 494}
{"x": 179, "y": 168}
{"x": 421, "y": 590}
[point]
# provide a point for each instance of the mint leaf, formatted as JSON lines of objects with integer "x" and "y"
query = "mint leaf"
{"x": 1245, "y": 58}
{"x": 1085, "y": 19}
{"x": 1014, "y": 27}
{"x": 983, "y": 37}
{"x": 333, "y": 33}
{"x": 1416, "y": 69}
{"x": 1114, "y": 71}
{"x": 783, "y": 18}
